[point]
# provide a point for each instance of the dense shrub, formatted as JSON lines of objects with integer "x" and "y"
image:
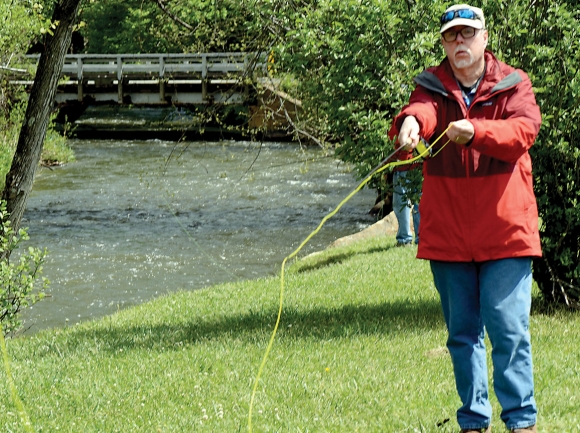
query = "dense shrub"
{"x": 355, "y": 61}
{"x": 546, "y": 44}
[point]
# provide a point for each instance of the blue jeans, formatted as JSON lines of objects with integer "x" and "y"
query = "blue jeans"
{"x": 404, "y": 209}
{"x": 492, "y": 296}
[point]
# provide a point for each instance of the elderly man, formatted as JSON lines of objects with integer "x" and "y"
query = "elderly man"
{"x": 479, "y": 221}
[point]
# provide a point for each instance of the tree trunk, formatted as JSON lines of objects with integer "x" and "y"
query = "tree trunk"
{"x": 40, "y": 104}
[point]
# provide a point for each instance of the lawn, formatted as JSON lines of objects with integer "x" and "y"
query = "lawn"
{"x": 360, "y": 348}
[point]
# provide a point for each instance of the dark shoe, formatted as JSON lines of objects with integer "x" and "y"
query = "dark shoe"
{"x": 404, "y": 244}
{"x": 477, "y": 430}
{"x": 531, "y": 429}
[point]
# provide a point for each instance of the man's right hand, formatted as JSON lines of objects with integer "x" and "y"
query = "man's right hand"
{"x": 409, "y": 133}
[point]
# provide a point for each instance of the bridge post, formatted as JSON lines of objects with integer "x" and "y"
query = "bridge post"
{"x": 204, "y": 78}
{"x": 80, "y": 95}
{"x": 120, "y": 79}
{"x": 161, "y": 79}
{"x": 245, "y": 78}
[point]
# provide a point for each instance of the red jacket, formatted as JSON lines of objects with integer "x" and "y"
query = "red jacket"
{"x": 478, "y": 202}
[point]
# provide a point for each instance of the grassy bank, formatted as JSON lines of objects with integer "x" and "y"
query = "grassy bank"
{"x": 55, "y": 149}
{"x": 360, "y": 349}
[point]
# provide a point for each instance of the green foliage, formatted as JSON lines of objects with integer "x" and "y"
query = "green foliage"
{"x": 545, "y": 42}
{"x": 354, "y": 62}
{"x": 19, "y": 23}
{"x": 136, "y": 26}
{"x": 18, "y": 281}
{"x": 119, "y": 27}
{"x": 55, "y": 150}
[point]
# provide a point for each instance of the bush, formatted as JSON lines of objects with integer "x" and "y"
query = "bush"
{"x": 355, "y": 62}
{"x": 18, "y": 281}
{"x": 544, "y": 41}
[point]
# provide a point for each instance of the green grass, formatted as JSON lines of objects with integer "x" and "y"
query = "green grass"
{"x": 360, "y": 349}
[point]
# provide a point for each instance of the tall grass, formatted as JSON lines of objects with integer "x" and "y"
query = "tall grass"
{"x": 360, "y": 349}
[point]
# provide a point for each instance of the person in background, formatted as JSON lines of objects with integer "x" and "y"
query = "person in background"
{"x": 404, "y": 209}
{"x": 393, "y": 198}
{"x": 479, "y": 218}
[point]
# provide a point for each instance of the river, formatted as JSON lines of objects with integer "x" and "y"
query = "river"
{"x": 132, "y": 220}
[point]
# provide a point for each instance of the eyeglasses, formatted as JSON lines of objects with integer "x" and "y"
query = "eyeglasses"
{"x": 461, "y": 13}
{"x": 466, "y": 33}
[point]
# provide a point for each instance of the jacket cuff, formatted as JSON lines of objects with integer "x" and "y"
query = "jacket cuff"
{"x": 478, "y": 134}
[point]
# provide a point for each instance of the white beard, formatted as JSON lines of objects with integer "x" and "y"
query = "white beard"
{"x": 463, "y": 63}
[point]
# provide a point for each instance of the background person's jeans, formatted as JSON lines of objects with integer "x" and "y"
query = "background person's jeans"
{"x": 493, "y": 296}
{"x": 403, "y": 210}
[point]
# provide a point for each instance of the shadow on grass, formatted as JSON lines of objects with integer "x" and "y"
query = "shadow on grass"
{"x": 317, "y": 323}
{"x": 335, "y": 258}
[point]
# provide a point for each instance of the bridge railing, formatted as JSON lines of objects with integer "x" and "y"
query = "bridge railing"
{"x": 95, "y": 73}
{"x": 82, "y": 64}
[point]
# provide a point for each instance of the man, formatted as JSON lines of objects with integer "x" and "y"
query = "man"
{"x": 479, "y": 222}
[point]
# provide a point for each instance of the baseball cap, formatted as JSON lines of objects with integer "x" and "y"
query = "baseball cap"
{"x": 462, "y": 15}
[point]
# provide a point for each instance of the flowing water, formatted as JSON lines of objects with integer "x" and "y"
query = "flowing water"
{"x": 132, "y": 220}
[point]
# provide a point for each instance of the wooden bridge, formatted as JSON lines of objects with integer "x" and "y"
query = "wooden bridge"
{"x": 156, "y": 79}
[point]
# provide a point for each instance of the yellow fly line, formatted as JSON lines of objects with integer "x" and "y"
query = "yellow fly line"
{"x": 424, "y": 153}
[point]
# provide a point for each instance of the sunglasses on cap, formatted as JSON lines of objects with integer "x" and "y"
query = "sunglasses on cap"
{"x": 459, "y": 13}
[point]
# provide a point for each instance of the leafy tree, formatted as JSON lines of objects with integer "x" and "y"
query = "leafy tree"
{"x": 33, "y": 131}
{"x": 354, "y": 62}
{"x": 17, "y": 280}
{"x": 22, "y": 23}
{"x": 120, "y": 27}
{"x": 137, "y": 26}
{"x": 19, "y": 24}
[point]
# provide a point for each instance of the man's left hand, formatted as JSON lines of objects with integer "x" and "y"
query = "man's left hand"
{"x": 461, "y": 131}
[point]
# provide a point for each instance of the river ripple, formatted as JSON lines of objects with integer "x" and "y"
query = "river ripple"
{"x": 132, "y": 220}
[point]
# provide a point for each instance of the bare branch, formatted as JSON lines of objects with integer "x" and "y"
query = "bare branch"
{"x": 173, "y": 16}
{"x": 291, "y": 122}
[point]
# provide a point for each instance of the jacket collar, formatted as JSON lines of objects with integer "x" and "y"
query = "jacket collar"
{"x": 498, "y": 76}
